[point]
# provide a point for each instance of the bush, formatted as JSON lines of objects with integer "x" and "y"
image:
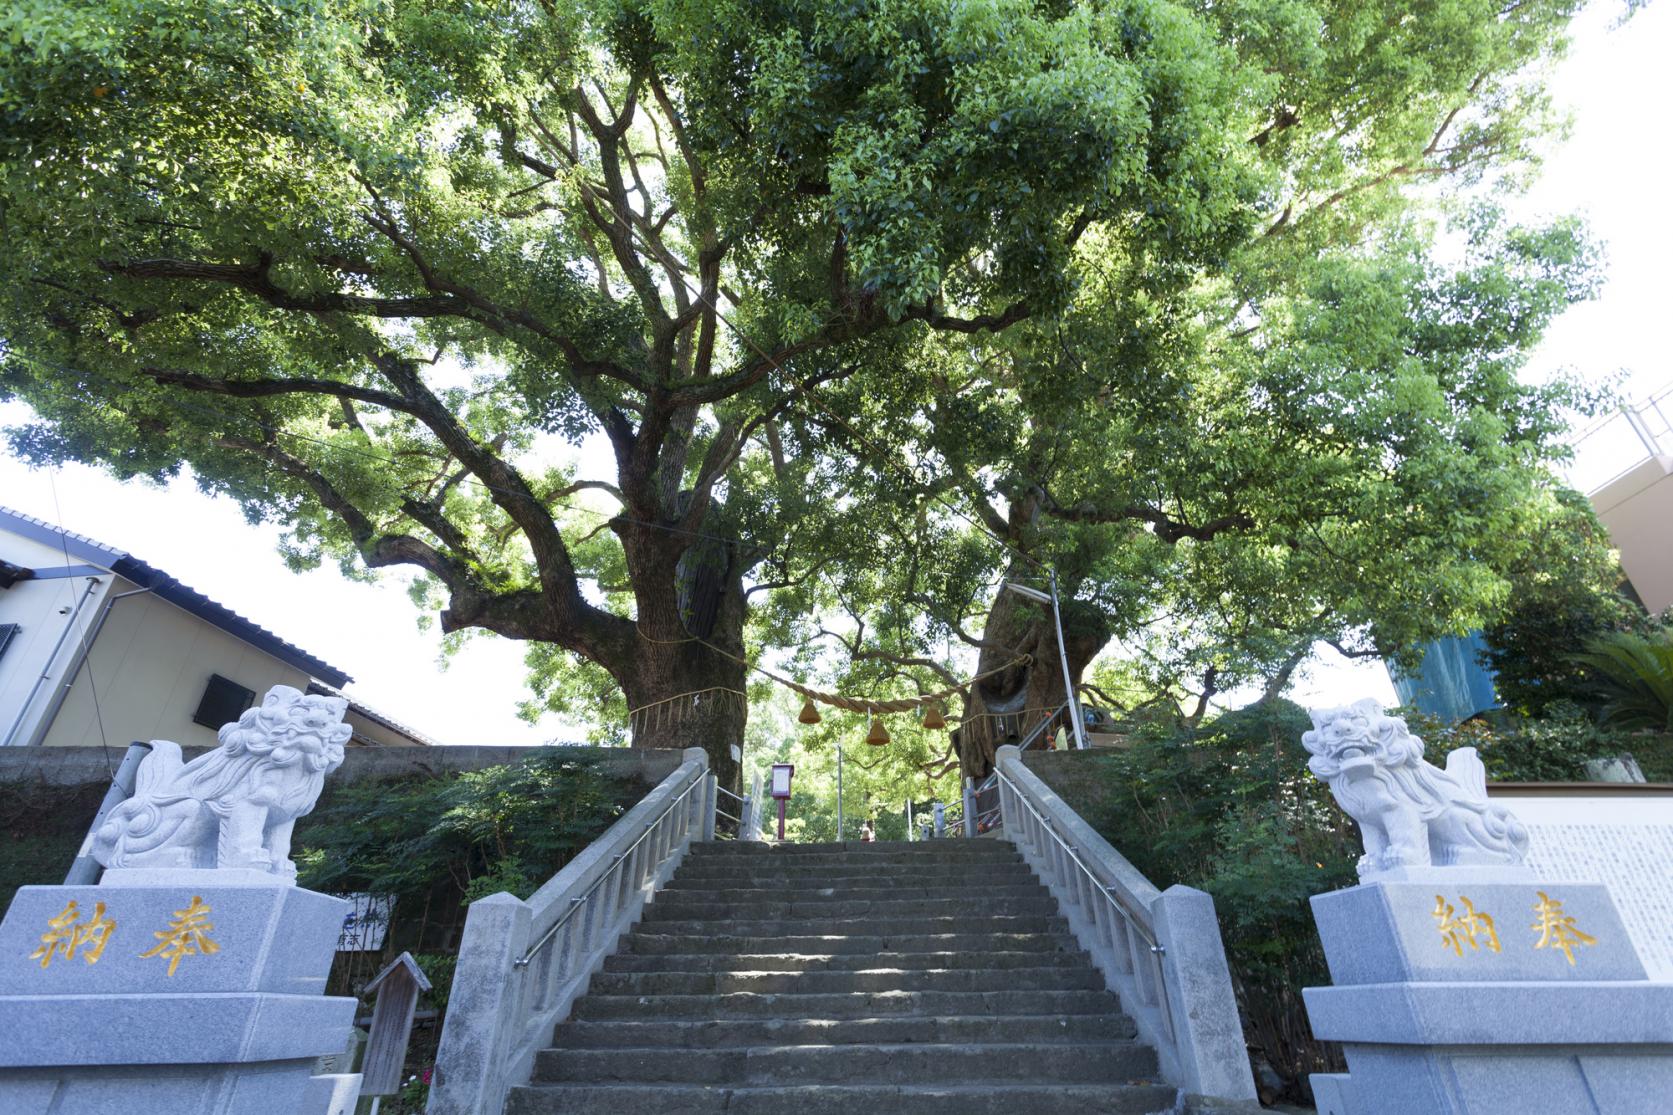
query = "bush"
{"x": 438, "y": 843}
{"x": 1555, "y": 748}
{"x": 41, "y": 830}
{"x": 1635, "y": 678}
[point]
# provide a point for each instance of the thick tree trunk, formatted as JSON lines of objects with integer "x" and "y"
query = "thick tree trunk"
{"x": 687, "y": 695}
{"x": 684, "y": 677}
{"x": 1004, "y": 708}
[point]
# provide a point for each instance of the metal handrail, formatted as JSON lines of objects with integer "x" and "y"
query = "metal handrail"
{"x": 576, "y": 902}
{"x": 1140, "y": 918}
{"x": 992, "y": 779}
{"x": 1035, "y": 732}
{"x": 739, "y": 798}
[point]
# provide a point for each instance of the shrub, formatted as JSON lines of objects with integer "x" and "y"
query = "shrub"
{"x": 41, "y": 831}
{"x": 1634, "y": 678}
{"x": 438, "y": 843}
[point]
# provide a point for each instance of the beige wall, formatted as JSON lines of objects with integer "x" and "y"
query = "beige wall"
{"x": 369, "y": 733}
{"x": 1637, "y": 510}
{"x": 150, "y": 665}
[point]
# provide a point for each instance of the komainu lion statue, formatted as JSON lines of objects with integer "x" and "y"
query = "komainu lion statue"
{"x": 1412, "y": 813}
{"x": 235, "y": 806}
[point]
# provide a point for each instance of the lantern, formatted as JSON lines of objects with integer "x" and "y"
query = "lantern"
{"x": 809, "y": 714}
{"x": 933, "y": 720}
{"x": 878, "y": 735}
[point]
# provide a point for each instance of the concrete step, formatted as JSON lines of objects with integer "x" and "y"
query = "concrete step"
{"x": 825, "y": 1099}
{"x": 729, "y": 943}
{"x": 874, "y": 1004}
{"x": 691, "y": 907}
{"x": 856, "y": 890}
{"x": 984, "y": 852}
{"x": 840, "y": 962}
{"x": 800, "y": 882}
{"x": 912, "y": 1063}
{"x": 1002, "y": 855}
{"x": 846, "y": 926}
{"x": 709, "y": 1034}
{"x": 926, "y": 848}
{"x": 832, "y": 983}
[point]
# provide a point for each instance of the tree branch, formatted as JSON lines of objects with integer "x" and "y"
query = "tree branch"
{"x": 1166, "y": 528}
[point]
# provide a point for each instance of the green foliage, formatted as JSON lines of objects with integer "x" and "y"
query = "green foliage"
{"x": 438, "y": 968}
{"x": 1125, "y": 269}
{"x": 1635, "y": 678}
{"x": 436, "y": 844}
{"x": 877, "y": 782}
{"x": 1552, "y": 748}
{"x": 1566, "y": 589}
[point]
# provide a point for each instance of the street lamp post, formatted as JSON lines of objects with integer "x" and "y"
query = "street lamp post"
{"x": 839, "y": 788}
{"x": 1062, "y": 649}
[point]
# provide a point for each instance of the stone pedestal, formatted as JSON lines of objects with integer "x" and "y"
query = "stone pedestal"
{"x": 1481, "y": 991}
{"x": 178, "y": 991}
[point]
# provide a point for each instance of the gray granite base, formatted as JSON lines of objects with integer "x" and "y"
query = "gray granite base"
{"x": 232, "y": 1025}
{"x": 1448, "y": 1024}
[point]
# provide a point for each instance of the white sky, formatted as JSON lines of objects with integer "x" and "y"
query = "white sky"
{"x": 1612, "y": 170}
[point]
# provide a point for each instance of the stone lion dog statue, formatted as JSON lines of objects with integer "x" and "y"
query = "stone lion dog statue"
{"x": 1411, "y": 813}
{"x": 236, "y": 805}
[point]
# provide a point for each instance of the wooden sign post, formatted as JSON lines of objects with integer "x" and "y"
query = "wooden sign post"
{"x": 397, "y": 987}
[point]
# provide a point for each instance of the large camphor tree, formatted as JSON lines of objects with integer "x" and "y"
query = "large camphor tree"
{"x": 1318, "y": 436}
{"x": 369, "y": 267}
{"x": 1359, "y": 466}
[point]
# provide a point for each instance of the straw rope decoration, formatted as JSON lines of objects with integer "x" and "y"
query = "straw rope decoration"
{"x": 833, "y": 700}
{"x": 668, "y": 711}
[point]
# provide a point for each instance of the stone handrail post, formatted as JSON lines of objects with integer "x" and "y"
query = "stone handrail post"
{"x": 749, "y": 824}
{"x": 711, "y": 786}
{"x": 1159, "y": 950}
{"x": 523, "y": 963}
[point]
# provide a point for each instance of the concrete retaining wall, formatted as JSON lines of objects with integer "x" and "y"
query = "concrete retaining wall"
{"x": 1078, "y": 777}
{"x": 79, "y": 766}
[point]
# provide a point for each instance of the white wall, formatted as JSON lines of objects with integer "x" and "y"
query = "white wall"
{"x": 44, "y": 608}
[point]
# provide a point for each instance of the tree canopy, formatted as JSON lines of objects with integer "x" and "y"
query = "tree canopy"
{"x": 839, "y": 301}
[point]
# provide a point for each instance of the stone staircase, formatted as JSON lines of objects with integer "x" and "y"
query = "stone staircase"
{"x": 860, "y": 979}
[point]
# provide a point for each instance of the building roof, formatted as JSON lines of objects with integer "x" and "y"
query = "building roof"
{"x": 373, "y": 714}
{"x": 81, "y": 548}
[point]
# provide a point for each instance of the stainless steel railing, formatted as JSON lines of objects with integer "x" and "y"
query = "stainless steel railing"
{"x": 983, "y": 799}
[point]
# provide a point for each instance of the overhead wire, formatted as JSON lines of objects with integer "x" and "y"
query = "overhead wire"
{"x": 83, "y": 653}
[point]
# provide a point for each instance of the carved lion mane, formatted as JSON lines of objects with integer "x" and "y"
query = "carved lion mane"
{"x": 233, "y": 807}
{"x": 1411, "y": 813}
